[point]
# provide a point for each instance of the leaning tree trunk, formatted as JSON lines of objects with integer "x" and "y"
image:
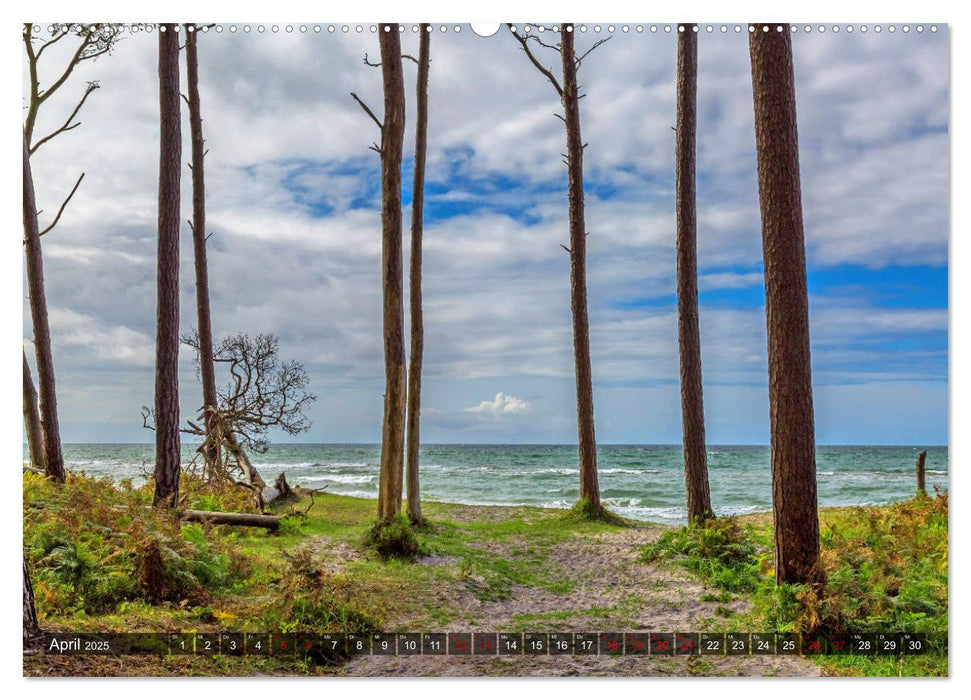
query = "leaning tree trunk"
{"x": 31, "y": 625}
{"x": 392, "y": 140}
{"x": 689, "y": 336}
{"x": 207, "y": 371}
{"x": 787, "y": 309}
{"x": 589, "y": 486}
{"x": 417, "y": 323}
{"x": 50, "y": 430}
{"x": 167, "y": 446}
{"x": 35, "y": 440}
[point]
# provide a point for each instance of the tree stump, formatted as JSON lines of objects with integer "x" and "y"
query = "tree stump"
{"x": 921, "y": 490}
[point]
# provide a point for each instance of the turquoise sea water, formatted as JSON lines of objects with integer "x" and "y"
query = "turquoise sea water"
{"x": 643, "y": 482}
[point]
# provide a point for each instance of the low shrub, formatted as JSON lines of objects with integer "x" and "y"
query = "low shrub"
{"x": 308, "y": 598}
{"x": 722, "y": 552}
{"x": 393, "y": 539}
{"x": 91, "y": 546}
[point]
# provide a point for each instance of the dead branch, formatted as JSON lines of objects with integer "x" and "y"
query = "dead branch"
{"x": 535, "y": 37}
{"x": 147, "y": 413}
{"x": 368, "y": 111}
{"x": 67, "y": 126}
{"x": 368, "y": 63}
{"x": 410, "y": 58}
{"x": 539, "y": 66}
{"x": 58, "y": 35}
{"x": 589, "y": 51}
{"x": 63, "y": 205}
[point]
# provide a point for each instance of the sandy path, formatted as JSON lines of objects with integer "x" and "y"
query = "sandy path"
{"x": 614, "y": 592}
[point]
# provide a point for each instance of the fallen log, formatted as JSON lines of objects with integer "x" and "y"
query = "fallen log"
{"x": 270, "y": 522}
{"x": 215, "y": 517}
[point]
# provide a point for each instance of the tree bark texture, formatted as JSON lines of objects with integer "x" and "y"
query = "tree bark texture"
{"x": 270, "y": 522}
{"x": 50, "y": 430}
{"x": 589, "y": 486}
{"x": 689, "y": 335}
{"x": 417, "y": 322}
{"x": 167, "y": 444}
{"x": 392, "y": 141}
{"x": 787, "y": 309}
{"x": 35, "y": 438}
{"x": 921, "y": 487}
{"x": 31, "y": 625}
{"x": 207, "y": 369}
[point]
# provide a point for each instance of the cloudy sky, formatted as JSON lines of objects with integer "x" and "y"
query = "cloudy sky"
{"x": 294, "y": 212}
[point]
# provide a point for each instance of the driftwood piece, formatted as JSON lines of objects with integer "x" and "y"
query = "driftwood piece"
{"x": 215, "y": 517}
{"x": 270, "y": 522}
{"x": 280, "y": 492}
{"x": 921, "y": 459}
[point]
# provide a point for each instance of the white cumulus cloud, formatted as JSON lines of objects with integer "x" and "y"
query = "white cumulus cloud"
{"x": 500, "y": 406}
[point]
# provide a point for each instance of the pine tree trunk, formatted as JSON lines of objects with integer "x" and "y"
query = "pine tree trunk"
{"x": 50, "y": 430}
{"x": 417, "y": 324}
{"x": 689, "y": 335}
{"x": 167, "y": 446}
{"x": 787, "y": 309}
{"x": 31, "y": 625}
{"x": 392, "y": 141}
{"x": 589, "y": 486}
{"x": 207, "y": 369}
{"x": 35, "y": 439}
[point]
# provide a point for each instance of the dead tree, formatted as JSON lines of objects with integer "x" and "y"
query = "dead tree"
{"x": 569, "y": 94}
{"x": 919, "y": 467}
{"x": 93, "y": 41}
{"x": 787, "y": 309}
{"x": 415, "y": 292}
{"x": 207, "y": 371}
{"x": 168, "y": 458}
{"x": 392, "y": 143}
{"x": 689, "y": 335}
{"x": 35, "y": 439}
{"x": 261, "y": 392}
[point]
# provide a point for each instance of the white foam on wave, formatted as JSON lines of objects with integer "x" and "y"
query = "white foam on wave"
{"x": 619, "y": 470}
{"x": 344, "y": 478}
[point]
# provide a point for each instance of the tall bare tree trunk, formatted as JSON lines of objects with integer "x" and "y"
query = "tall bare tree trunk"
{"x": 53, "y": 459}
{"x": 689, "y": 335}
{"x": 589, "y": 485}
{"x": 31, "y": 625}
{"x": 787, "y": 309}
{"x": 207, "y": 369}
{"x": 35, "y": 439}
{"x": 167, "y": 446}
{"x": 392, "y": 142}
{"x": 417, "y": 323}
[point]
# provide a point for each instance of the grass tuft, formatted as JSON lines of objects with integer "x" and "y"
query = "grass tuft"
{"x": 393, "y": 539}
{"x": 583, "y": 510}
